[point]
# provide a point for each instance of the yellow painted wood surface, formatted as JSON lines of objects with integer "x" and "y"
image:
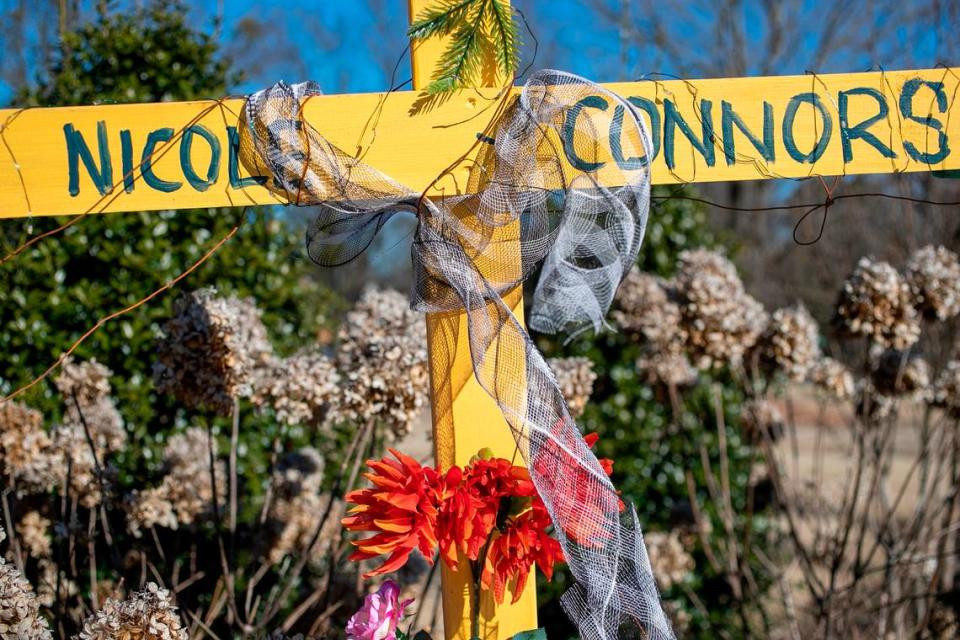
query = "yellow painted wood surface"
{"x": 413, "y": 146}
{"x": 465, "y": 417}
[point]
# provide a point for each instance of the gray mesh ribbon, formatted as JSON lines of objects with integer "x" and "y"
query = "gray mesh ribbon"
{"x": 524, "y": 208}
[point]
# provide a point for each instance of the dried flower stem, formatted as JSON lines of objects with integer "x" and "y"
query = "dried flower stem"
{"x": 11, "y": 531}
{"x": 355, "y": 455}
{"x": 234, "y": 443}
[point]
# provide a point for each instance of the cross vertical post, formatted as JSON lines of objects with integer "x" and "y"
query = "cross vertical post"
{"x": 465, "y": 420}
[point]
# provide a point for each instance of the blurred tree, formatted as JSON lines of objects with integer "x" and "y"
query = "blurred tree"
{"x": 56, "y": 290}
{"x": 652, "y": 448}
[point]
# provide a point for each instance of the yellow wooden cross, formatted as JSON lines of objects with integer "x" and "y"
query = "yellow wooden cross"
{"x": 99, "y": 159}
{"x": 73, "y": 160}
{"x": 465, "y": 417}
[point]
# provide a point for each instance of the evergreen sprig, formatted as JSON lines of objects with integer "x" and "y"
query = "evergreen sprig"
{"x": 479, "y": 30}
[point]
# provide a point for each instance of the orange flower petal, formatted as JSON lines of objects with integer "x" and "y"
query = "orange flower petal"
{"x": 394, "y": 525}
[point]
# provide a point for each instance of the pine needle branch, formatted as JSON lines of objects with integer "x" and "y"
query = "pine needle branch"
{"x": 506, "y": 36}
{"x": 481, "y": 30}
{"x": 440, "y": 19}
{"x": 462, "y": 60}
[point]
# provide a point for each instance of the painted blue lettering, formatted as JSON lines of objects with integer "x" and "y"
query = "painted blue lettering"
{"x": 233, "y": 163}
{"x": 655, "y": 122}
{"x": 910, "y": 89}
{"x": 848, "y": 133}
{"x": 788, "y": 120}
{"x": 186, "y": 161}
{"x": 126, "y": 158}
{"x": 616, "y": 143}
{"x": 570, "y": 130}
{"x": 673, "y": 120}
{"x": 78, "y": 150}
{"x": 146, "y": 161}
{"x": 728, "y": 118}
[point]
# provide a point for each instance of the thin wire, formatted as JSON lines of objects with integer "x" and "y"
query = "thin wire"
{"x": 37, "y": 238}
{"x": 829, "y": 200}
{"x": 536, "y": 43}
{"x": 116, "y": 314}
{"x": 107, "y": 199}
{"x": 110, "y": 197}
{"x": 823, "y": 225}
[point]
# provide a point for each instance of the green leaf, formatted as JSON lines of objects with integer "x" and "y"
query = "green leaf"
{"x": 533, "y": 634}
{"x": 422, "y": 635}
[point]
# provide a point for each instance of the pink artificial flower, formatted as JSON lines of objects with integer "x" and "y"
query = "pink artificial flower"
{"x": 380, "y": 614}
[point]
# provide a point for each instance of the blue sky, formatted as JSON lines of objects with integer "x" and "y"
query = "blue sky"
{"x": 355, "y": 65}
{"x": 580, "y": 37}
{"x": 345, "y": 45}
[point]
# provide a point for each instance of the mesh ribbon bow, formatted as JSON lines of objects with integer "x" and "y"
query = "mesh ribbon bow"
{"x": 525, "y": 207}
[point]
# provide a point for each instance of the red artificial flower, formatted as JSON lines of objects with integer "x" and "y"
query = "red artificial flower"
{"x": 401, "y": 508}
{"x": 606, "y": 463}
{"x": 514, "y": 550}
{"x": 491, "y": 504}
{"x": 469, "y": 515}
{"x": 585, "y": 509}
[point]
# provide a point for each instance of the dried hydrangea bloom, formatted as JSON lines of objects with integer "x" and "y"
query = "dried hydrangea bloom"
{"x": 933, "y": 274}
{"x": 26, "y": 450}
{"x": 150, "y": 508}
{"x": 90, "y": 416}
{"x": 876, "y": 302}
{"x": 146, "y": 615}
{"x": 760, "y": 417}
{"x": 833, "y": 377}
{"x": 575, "y": 377}
{"x": 382, "y": 358}
{"x": 671, "y": 562}
{"x": 720, "y": 319}
{"x": 34, "y": 532}
{"x": 186, "y": 492}
{"x": 790, "y": 342}
{"x": 85, "y": 390}
{"x": 210, "y": 350}
{"x": 75, "y": 461}
{"x": 897, "y": 373}
{"x": 299, "y": 389}
{"x": 107, "y": 589}
{"x": 88, "y": 381}
{"x": 943, "y": 621}
{"x": 672, "y": 369}
{"x": 644, "y": 306}
{"x": 297, "y": 507}
{"x": 295, "y": 521}
{"x": 946, "y": 389}
{"x": 47, "y": 584}
{"x": 19, "y": 608}
{"x": 189, "y": 479}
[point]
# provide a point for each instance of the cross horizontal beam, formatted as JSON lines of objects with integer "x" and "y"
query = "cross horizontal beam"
{"x": 175, "y": 155}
